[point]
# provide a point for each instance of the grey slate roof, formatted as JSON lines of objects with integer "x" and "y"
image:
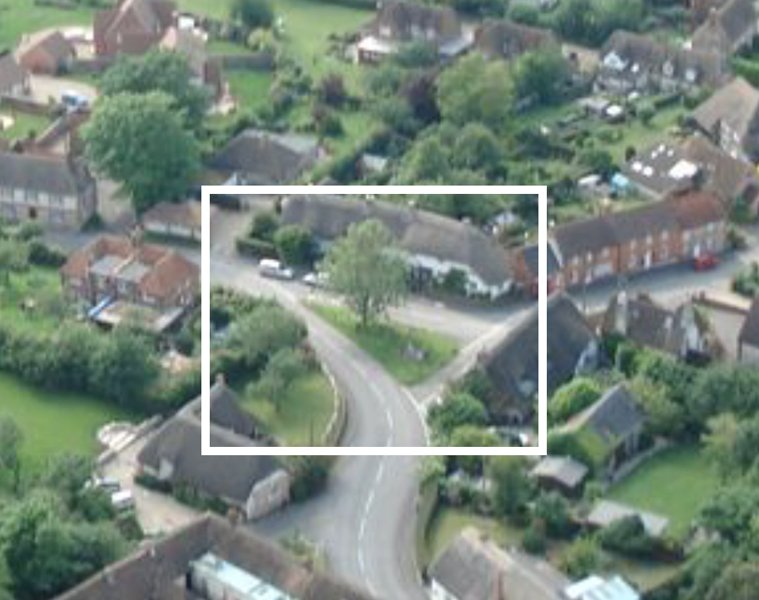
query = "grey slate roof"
{"x": 729, "y": 177}
{"x": 263, "y": 157}
{"x": 613, "y": 417}
{"x": 157, "y": 570}
{"x": 471, "y": 568}
{"x": 736, "y": 104}
{"x": 43, "y": 174}
{"x": 561, "y": 469}
{"x": 729, "y": 23}
{"x": 508, "y": 39}
{"x": 661, "y": 168}
{"x": 404, "y": 17}
{"x": 227, "y": 413}
{"x": 514, "y": 361}
{"x": 417, "y": 231}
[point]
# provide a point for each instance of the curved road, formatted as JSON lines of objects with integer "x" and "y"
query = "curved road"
{"x": 366, "y": 519}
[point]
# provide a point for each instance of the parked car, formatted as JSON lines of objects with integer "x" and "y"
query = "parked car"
{"x": 705, "y": 262}
{"x": 107, "y": 484}
{"x": 74, "y": 100}
{"x": 316, "y": 279}
{"x": 268, "y": 267}
{"x": 122, "y": 500}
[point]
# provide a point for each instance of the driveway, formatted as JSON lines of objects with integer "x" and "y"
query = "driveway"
{"x": 45, "y": 87}
{"x": 156, "y": 513}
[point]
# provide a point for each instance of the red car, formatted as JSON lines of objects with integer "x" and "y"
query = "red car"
{"x": 706, "y": 262}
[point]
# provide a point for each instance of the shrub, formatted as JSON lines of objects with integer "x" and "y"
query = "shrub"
{"x": 534, "y": 541}
{"x": 572, "y": 398}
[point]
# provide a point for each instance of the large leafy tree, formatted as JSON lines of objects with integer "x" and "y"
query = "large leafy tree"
{"x": 11, "y": 440}
{"x": 253, "y": 14}
{"x": 368, "y": 269}
{"x": 158, "y": 71}
{"x": 140, "y": 141}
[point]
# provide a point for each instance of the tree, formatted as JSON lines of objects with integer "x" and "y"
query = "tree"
{"x": 738, "y": 582}
{"x": 511, "y": 488}
{"x": 598, "y": 161}
{"x": 477, "y": 148}
{"x": 284, "y": 367}
{"x": 719, "y": 442}
{"x": 468, "y": 436}
{"x": 14, "y": 258}
{"x": 581, "y": 558}
{"x": 426, "y": 161}
{"x": 140, "y": 141}
{"x": 456, "y": 410}
{"x": 67, "y": 474}
{"x": 264, "y": 226}
{"x": 368, "y": 269}
{"x": 261, "y": 333}
{"x": 724, "y": 388}
{"x": 11, "y": 440}
{"x": 730, "y": 512}
{"x": 573, "y": 397}
{"x": 123, "y": 367}
{"x": 331, "y": 90}
{"x": 475, "y": 90}
{"x": 253, "y": 14}
{"x": 551, "y": 510}
{"x": 420, "y": 90}
{"x": 664, "y": 417}
{"x": 541, "y": 76}
{"x": 295, "y": 245}
{"x": 159, "y": 71}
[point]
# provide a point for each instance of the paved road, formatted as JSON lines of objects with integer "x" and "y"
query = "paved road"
{"x": 365, "y": 520}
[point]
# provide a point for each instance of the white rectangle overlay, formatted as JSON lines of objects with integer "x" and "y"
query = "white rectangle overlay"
{"x": 540, "y": 192}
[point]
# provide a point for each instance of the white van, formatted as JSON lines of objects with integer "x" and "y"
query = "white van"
{"x": 122, "y": 500}
{"x": 268, "y": 267}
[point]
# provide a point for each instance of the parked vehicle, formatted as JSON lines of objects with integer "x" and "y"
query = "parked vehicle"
{"x": 316, "y": 279}
{"x": 705, "y": 262}
{"x": 74, "y": 100}
{"x": 268, "y": 267}
{"x": 107, "y": 484}
{"x": 122, "y": 500}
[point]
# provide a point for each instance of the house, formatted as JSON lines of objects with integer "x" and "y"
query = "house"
{"x": 727, "y": 28}
{"x": 748, "y": 337}
{"x": 682, "y": 227}
{"x": 681, "y": 332}
{"x": 560, "y": 473}
{"x": 512, "y": 365}
{"x": 609, "y": 429}
{"x": 132, "y": 26}
{"x": 729, "y": 177}
{"x": 263, "y": 158}
{"x": 58, "y": 192}
{"x": 400, "y": 22}
{"x": 634, "y": 62}
{"x": 174, "y": 219}
{"x": 509, "y": 40}
{"x": 14, "y": 79}
{"x": 606, "y": 512}
{"x": 473, "y": 567}
{"x": 47, "y": 53}
{"x": 118, "y": 277}
{"x": 525, "y": 266}
{"x": 211, "y": 558}
{"x": 435, "y": 245}
{"x": 191, "y": 44}
{"x": 255, "y": 485}
{"x": 730, "y": 118}
{"x": 661, "y": 169}
{"x": 595, "y": 587}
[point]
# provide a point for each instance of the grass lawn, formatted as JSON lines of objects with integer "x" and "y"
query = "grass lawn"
{"x": 251, "y": 88}
{"x": 306, "y": 409}
{"x": 24, "y": 124}
{"x": 41, "y": 290}
{"x": 386, "y": 342}
{"x": 18, "y": 17}
{"x": 54, "y": 422}
{"x": 674, "y": 483}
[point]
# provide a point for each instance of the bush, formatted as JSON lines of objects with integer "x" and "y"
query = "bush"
{"x": 572, "y": 398}
{"x": 256, "y": 248}
{"x": 309, "y": 477}
{"x": 534, "y": 541}
{"x": 295, "y": 245}
{"x": 42, "y": 255}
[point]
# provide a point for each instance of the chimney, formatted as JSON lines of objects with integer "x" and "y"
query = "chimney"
{"x": 621, "y": 313}
{"x": 712, "y": 18}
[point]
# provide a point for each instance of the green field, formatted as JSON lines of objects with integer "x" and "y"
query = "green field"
{"x": 305, "y": 411}
{"x": 250, "y": 88}
{"x": 54, "y": 422}
{"x": 386, "y": 342}
{"x": 674, "y": 483}
{"x": 19, "y": 17}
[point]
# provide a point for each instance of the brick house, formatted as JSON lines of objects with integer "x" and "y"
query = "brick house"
{"x": 58, "y": 192}
{"x": 119, "y": 268}
{"x": 48, "y": 53}
{"x": 132, "y": 26}
{"x": 682, "y": 227}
